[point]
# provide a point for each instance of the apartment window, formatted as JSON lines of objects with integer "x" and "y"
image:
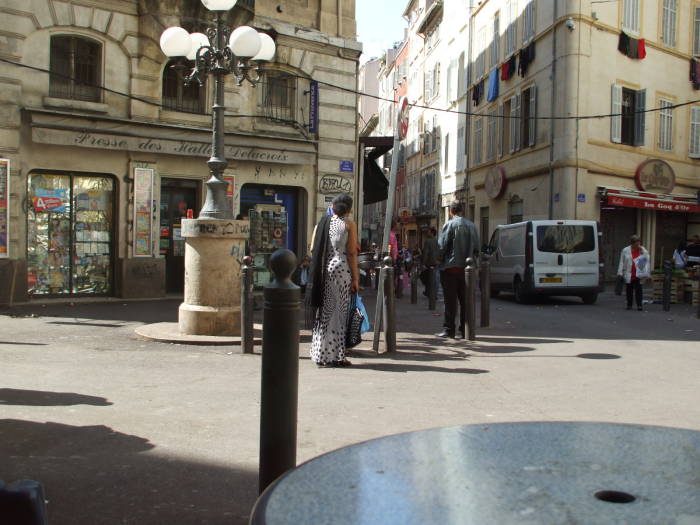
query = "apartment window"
{"x": 630, "y": 16}
{"x": 436, "y": 134}
{"x": 276, "y": 95}
{"x": 528, "y": 120}
{"x": 668, "y": 25}
{"x": 177, "y": 96}
{"x": 529, "y": 21}
{"x": 484, "y": 222}
{"x": 694, "y": 147}
{"x": 515, "y": 125}
{"x": 76, "y": 69}
{"x": 491, "y": 138}
{"x": 511, "y": 29}
{"x": 515, "y": 210}
{"x": 435, "y": 88}
{"x": 696, "y": 31}
{"x": 427, "y": 137}
{"x": 478, "y": 140}
{"x": 428, "y": 85}
{"x": 447, "y": 153}
{"x": 628, "y": 126}
{"x": 504, "y": 130}
{"x": 480, "y": 66}
{"x": 495, "y": 40}
{"x": 665, "y": 125}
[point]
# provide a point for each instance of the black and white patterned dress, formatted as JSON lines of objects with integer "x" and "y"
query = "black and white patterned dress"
{"x": 328, "y": 338}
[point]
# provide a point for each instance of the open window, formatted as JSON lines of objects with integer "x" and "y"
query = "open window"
{"x": 628, "y": 106}
{"x": 76, "y": 68}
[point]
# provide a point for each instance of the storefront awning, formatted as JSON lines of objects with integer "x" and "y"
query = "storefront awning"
{"x": 650, "y": 201}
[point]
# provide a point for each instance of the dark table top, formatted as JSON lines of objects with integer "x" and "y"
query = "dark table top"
{"x": 525, "y": 473}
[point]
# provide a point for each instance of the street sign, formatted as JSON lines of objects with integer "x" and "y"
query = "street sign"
{"x": 403, "y": 122}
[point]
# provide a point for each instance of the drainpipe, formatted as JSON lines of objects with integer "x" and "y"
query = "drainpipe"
{"x": 468, "y": 124}
{"x": 551, "y": 112}
{"x": 340, "y": 18}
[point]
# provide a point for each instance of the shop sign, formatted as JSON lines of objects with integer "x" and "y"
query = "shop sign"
{"x": 49, "y": 200}
{"x": 143, "y": 211}
{"x": 4, "y": 207}
{"x": 495, "y": 182}
{"x": 655, "y": 175}
{"x": 629, "y": 202}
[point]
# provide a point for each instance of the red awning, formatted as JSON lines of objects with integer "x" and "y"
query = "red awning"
{"x": 650, "y": 201}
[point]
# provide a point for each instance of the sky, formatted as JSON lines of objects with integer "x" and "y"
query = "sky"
{"x": 379, "y": 24}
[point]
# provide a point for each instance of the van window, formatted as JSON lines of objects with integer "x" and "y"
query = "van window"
{"x": 562, "y": 238}
{"x": 511, "y": 241}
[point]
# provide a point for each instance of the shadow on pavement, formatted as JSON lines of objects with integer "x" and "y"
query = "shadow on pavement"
{"x": 14, "y": 396}
{"x": 93, "y": 475}
{"x": 21, "y": 343}
{"x": 403, "y": 368}
{"x": 158, "y": 311}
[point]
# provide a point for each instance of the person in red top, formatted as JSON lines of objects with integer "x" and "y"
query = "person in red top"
{"x": 633, "y": 267}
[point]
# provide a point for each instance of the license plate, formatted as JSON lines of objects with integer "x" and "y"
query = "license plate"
{"x": 550, "y": 279}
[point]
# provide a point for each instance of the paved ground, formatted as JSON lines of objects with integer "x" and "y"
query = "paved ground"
{"x": 126, "y": 431}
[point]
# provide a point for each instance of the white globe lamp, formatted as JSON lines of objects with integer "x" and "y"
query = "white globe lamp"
{"x": 267, "y": 48}
{"x": 175, "y": 42}
{"x": 245, "y": 42}
{"x": 219, "y": 5}
{"x": 198, "y": 40}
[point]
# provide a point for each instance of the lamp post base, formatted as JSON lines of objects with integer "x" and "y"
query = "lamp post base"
{"x": 212, "y": 300}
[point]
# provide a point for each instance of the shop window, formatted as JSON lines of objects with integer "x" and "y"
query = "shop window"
{"x": 665, "y": 125}
{"x": 276, "y": 96}
{"x": 627, "y": 127}
{"x": 630, "y": 16}
{"x": 76, "y": 69}
{"x": 668, "y": 23}
{"x": 69, "y": 234}
{"x": 515, "y": 210}
{"x": 177, "y": 96}
{"x": 694, "y": 148}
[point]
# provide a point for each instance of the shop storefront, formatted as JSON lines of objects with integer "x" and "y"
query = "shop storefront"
{"x": 70, "y": 234}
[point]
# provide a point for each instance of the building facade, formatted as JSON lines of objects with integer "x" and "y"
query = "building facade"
{"x": 105, "y": 148}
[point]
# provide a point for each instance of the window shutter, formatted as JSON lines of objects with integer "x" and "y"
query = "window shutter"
{"x": 533, "y": 113}
{"x": 518, "y": 121}
{"x": 501, "y": 127}
{"x": 513, "y": 123}
{"x": 616, "y": 109}
{"x": 639, "y": 118}
{"x": 694, "y": 150}
{"x": 696, "y": 32}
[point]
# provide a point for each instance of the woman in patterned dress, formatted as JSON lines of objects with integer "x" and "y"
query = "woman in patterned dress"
{"x": 334, "y": 276}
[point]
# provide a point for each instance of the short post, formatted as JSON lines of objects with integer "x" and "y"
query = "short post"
{"x": 381, "y": 276}
{"x": 470, "y": 278}
{"x": 247, "y": 333}
{"x": 432, "y": 288}
{"x": 389, "y": 311}
{"x": 414, "y": 286}
{"x": 666, "y": 295}
{"x": 398, "y": 281}
{"x": 23, "y": 503}
{"x": 485, "y": 283}
{"x": 280, "y": 371}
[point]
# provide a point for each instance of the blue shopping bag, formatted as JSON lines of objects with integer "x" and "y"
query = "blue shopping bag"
{"x": 365, "y": 322}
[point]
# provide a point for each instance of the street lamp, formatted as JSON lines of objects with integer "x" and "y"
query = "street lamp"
{"x": 220, "y": 52}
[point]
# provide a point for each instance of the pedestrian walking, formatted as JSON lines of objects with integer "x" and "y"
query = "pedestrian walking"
{"x": 633, "y": 267}
{"x": 334, "y": 277}
{"x": 458, "y": 240}
{"x": 430, "y": 258}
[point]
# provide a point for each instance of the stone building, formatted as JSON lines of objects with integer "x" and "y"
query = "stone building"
{"x": 105, "y": 148}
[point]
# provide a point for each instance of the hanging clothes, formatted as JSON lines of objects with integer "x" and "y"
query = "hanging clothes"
{"x": 632, "y": 47}
{"x": 695, "y": 73}
{"x": 505, "y": 70}
{"x": 478, "y": 92}
{"x": 642, "y": 48}
{"x": 493, "y": 86}
{"x": 623, "y": 44}
{"x": 527, "y": 57}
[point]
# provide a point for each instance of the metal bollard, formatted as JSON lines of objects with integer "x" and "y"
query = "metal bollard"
{"x": 23, "y": 503}
{"x": 414, "y": 285}
{"x": 247, "y": 333}
{"x": 666, "y": 295}
{"x": 432, "y": 288}
{"x": 470, "y": 278}
{"x": 485, "y": 283}
{"x": 280, "y": 371}
{"x": 389, "y": 306}
{"x": 378, "y": 310}
{"x": 397, "y": 282}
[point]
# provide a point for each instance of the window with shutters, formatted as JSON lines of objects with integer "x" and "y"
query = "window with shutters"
{"x": 515, "y": 123}
{"x": 630, "y": 16}
{"x": 480, "y": 66}
{"x": 515, "y": 210}
{"x": 694, "y": 146}
{"x": 627, "y": 126}
{"x": 495, "y": 40}
{"x": 428, "y": 85}
{"x": 528, "y": 121}
{"x": 504, "y": 146}
{"x": 512, "y": 27}
{"x": 668, "y": 22}
{"x": 478, "y": 140}
{"x": 696, "y": 31}
{"x": 436, "y": 134}
{"x": 529, "y": 21}
{"x": 177, "y": 96}
{"x": 491, "y": 134}
{"x": 76, "y": 68}
{"x": 427, "y": 137}
{"x": 277, "y": 96}
{"x": 446, "y": 161}
{"x": 665, "y": 125}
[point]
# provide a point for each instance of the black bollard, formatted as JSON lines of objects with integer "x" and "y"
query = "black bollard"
{"x": 22, "y": 503}
{"x": 470, "y": 278}
{"x": 432, "y": 288}
{"x": 379, "y": 309}
{"x": 247, "y": 333}
{"x": 485, "y": 283}
{"x": 389, "y": 307}
{"x": 666, "y": 296}
{"x": 414, "y": 285}
{"x": 280, "y": 371}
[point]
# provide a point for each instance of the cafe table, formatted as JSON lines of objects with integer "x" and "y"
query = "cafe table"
{"x": 524, "y": 473}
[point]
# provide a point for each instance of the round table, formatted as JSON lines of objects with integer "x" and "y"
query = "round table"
{"x": 525, "y": 473}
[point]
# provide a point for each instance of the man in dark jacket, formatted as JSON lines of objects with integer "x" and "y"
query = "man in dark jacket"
{"x": 458, "y": 240}
{"x": 430, "y": 257}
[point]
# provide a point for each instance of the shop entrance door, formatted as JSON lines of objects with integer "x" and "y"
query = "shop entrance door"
{"x": 176, "y": 197}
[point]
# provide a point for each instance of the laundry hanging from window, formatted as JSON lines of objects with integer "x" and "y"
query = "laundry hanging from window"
{"x": 493, "y": 86}
{"x": 631, "y": 47}
{"x": 695, "y": 73}
{"x": 508, "y": 68}
{"x": 478, "y": 92}
{"x": 526, "y": 57}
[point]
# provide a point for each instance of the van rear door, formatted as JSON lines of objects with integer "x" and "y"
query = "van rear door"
{"x": 568, "y": 255}
{"x": 549, "y": 255}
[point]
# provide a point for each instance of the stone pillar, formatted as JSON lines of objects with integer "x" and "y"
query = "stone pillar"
{"x": 214, "y": 250}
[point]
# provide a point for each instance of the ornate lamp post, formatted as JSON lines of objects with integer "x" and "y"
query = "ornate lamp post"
{"x": 220, "y": 52}
{"x": 214, "y": 241}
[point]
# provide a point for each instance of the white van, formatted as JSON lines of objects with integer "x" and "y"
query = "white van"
{"x": 547, "y": 258}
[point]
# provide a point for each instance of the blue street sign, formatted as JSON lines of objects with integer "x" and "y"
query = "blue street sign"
{"x": 581, "y": 197}
{"x": 346, "y": 166}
